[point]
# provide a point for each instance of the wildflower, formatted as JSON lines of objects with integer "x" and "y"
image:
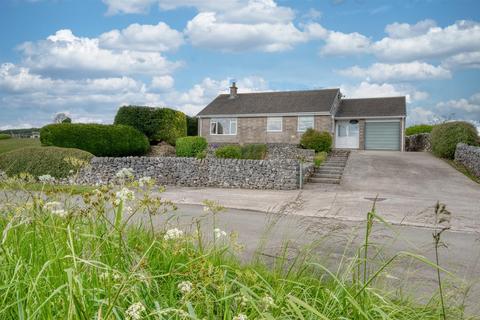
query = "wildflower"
{"x": 134, "y": 312}
{"x": 60, "y": 212}
{"x": 219, "y": 233}
{"x": 185, "y": 287}
{"x": 146, "y": 181}
{"x": 240, "y": 316}
{"x": 125, "y": 173}
{"x": 268, "y": 302}
{"x": 52, "y": 204}
{"x": 242, "y": 300}
{"x": 173, "y": 234}
{"x": 206, "y": 209}
{"x": 75, "y": 162}
{"x": 46, "y": 178}
{"x": 123, "y": 195}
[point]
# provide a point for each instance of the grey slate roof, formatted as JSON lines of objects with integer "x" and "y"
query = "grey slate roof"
{"x": 372, "y": 107}
{"x": 272, "y": 102}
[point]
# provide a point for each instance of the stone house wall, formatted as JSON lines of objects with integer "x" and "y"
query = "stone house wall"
{"x": 254, "y": 130}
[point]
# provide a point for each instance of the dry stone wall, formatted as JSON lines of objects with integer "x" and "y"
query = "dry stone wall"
{"x": 192, "y": 172}
{"x": 469, "y": 156}
{"x": 418, "y": 142}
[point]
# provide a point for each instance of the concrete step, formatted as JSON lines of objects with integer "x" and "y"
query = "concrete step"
{"x": 325, "y": 180}
{"x": 336, "y": 162}
{"x": 333, "y": 164}
{"x": 327, "y": 175}
{"x": 327, "y": 170}
{"x": 331, "y": 168}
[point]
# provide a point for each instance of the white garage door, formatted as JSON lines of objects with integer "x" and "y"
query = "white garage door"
{"x": 382, "y": 135}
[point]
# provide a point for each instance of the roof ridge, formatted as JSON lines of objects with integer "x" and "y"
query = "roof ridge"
{"x": 373, "y": 98}
{"x": 286, "y": 91}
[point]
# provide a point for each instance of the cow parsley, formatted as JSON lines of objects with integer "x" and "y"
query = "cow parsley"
{"x": 134, "y": 312}
{"x": 173, "y": 234}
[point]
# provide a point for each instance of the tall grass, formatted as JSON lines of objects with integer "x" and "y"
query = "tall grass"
{"x": 67, "y": 259}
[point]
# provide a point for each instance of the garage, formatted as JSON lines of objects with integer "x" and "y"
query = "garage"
{"x": 382, "y": 135}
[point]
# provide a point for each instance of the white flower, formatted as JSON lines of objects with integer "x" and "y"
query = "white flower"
{"x": 268, "y": 302}
{"x": 242, "y": 300}
{"x": 134, "y": 312}
{"x": 185, "y": 287}
{"x": 60, "y": 212}
{"x": 124, "y": 194}
{"x": 46, "y": 178}
{"x": 129, "y": 209}
{"x": 206, "y": 209}
{"x": 172, "y": 234}
{"x": 124, "y": 173}
{"x": 145, "y": 181}
{"x": 240, "y": 316}
{"x": 219, "y": 233}
{"x": 52, "y": 204}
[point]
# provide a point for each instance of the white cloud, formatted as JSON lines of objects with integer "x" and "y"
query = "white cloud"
{"x": 470, "y": 60}
{"x": 368, "y": 90}
{"x": 339, "y": 43}
{"x": 162, "y": 83}
{"x": 66, "y": 53}
{"x": 205, "y": 30}
{"x": 145, "y": 37}
{"x": 415, "y": 70}
{"x": 128, "y": 6}
{"x": 404, "y": 30}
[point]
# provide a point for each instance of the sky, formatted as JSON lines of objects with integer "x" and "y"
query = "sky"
{"x": 88, "y": 57}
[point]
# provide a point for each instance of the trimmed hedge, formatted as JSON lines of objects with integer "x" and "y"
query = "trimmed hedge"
{"x": 229, "y": 152}
{"x": 190, "y": 146}
{"x": 100, "y": 140}
{"x": 445, "y": 137}
{"x": 4, "y": 136}
{"x": 39, "y": 161}
{"x": 419, "y": 128}
{"x": 158, "y": 124}
{"x": 316, "y": 140}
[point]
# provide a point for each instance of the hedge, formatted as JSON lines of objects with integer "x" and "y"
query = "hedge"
{"x": 316, "y": 140}
{"x": 190, "y": 146}
{"x": 254, "y": 151}
{"x": 445, "y": 137}
{"x": 40, "y": 161}
{"x": 100, "y": 140}
{"x": 158, "y": 124}
{"x": 419, "y": 128}
{"x": 4, "y": 136}
{"x": 229, "y": 152}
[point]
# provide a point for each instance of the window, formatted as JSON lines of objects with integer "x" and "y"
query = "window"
{"x": 274, "y": 124}
{"x": 227, "y": 126}
{"x": 304, "y": 123}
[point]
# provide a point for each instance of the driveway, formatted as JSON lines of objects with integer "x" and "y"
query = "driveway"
{"x": 408, "y": 185}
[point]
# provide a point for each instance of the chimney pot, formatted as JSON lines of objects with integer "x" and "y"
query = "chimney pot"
{"x": 233, "y": 91}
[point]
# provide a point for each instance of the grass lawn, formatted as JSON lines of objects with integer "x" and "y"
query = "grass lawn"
{"x": 14, "y": 143}
{"x": 69, "y": 189}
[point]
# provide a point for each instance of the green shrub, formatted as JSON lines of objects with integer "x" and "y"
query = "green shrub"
{"x": 319, "y": 158}
{"x": 229, "y": 152}
{"x": 254, "y": 151}
{"x": 316, "y": 140}
{"x": 158, "y": 124}
{"x": 4, "y": 136}
{"x": 419, "y": 128}
{"x": 190, "y": 146}
{"x": 100, "y": 140}
{"x": 192, "y": 126}
{"x": 40, "y": 161}
{"x": 444, "y": 137}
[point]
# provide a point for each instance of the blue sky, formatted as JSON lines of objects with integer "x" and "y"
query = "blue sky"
{"x": 86, "y": 58}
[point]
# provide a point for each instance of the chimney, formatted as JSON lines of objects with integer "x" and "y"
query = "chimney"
{"x": 233, "y": 91}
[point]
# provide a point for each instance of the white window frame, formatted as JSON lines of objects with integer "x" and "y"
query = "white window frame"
{"x": 303, "y": 117}
{"x": 232, "y": 121}
{"x": 275, "y": 119}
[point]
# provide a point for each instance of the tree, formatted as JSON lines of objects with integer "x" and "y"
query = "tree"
{"x": 62, "y": 117}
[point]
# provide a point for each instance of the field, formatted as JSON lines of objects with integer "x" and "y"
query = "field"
{"x": 15, "y": 143}
{"x": 65, "y": 261}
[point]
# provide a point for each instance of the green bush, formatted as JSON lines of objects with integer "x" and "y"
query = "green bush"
{"x": 4, "y": 136}
{"x": 229, "y": 152}
{"x": 190, "y": 146}
{"x": 254, "y": 151}
{"x": 40, "y": 161}
{"x": 419, "y": 128}
{"x": 319, "y": 158}
{"x": 192, "y": 126}
{"x": 100, "y": 140}
{"x": 316, "y": 140}
{"x": 158, "y": 124}
{"x": 444, "y": 137}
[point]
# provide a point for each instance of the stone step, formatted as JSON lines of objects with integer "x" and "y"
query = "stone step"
{"x": 327, "y": 167}
{"x": 325, "y": 180}
{"x": 340, "y": 172}
{"x": 335, "y": 161}
{"x": 327, "y": 175}
{"x": 333, "y": 164}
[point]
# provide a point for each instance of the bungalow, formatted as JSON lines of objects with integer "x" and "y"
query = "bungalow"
{"x": 282, "y": 117}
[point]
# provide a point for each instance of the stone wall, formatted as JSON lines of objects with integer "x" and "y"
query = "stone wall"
{"x": 469, "y": 156}
{"x": 418, "y": 142}
{"x": 191, "y": 172}
{"x": 254, "y": 130}
{"x": 279, "y": 151}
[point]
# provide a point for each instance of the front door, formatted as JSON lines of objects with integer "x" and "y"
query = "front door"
{"x": 346, "y": 134}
